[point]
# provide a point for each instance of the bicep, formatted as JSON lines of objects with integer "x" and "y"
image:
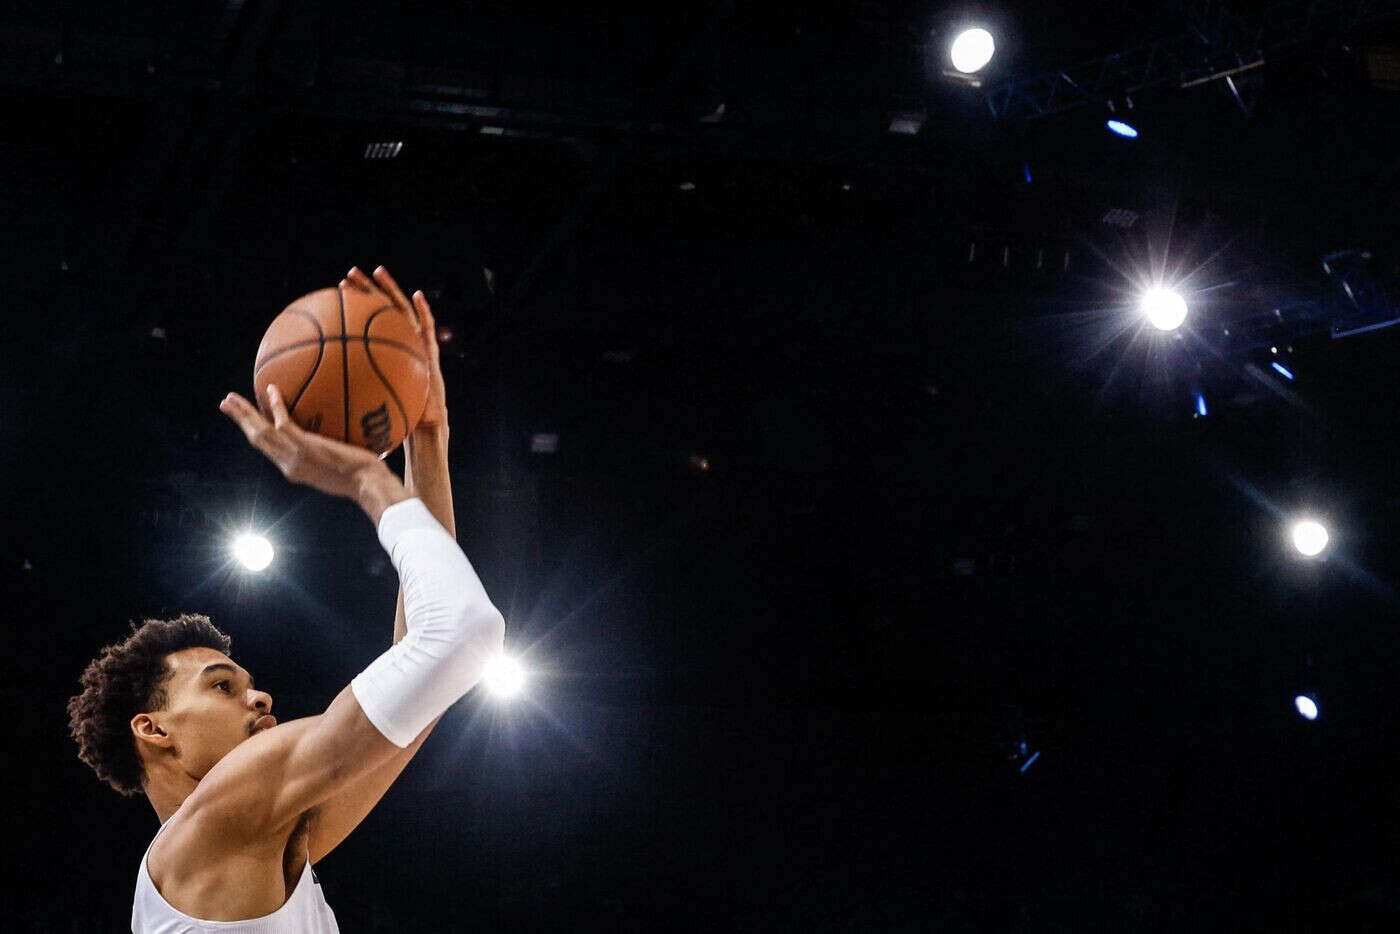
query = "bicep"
{"x": 268, "y": 781}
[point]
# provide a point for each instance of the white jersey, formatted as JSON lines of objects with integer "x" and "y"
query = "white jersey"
{"x": 305, "y": 912}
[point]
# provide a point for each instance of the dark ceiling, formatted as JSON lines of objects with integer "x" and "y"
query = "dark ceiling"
{"x": 956, "y": 495}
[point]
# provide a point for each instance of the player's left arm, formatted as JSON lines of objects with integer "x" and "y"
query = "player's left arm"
{"x": 426, "y": 476}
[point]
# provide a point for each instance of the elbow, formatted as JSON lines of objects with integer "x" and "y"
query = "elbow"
{"x": 476, "y": 639}
{"x": 484, "y": 642}
{"x": 492, "y": 626}
{"x": 482, "y": 631}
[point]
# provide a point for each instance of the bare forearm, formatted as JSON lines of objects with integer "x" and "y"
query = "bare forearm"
{"x": 378, "y": 490}
{"x": 425, "y": 473}
{"x": 426, "y": 477}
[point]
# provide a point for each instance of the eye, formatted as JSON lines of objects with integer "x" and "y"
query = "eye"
{"x": 224, "y": 685}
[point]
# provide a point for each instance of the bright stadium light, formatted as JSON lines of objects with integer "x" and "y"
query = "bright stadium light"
{"x": 252, "y": 551}
{"x": 503, "y": 676}
{"x": 1306, "y": 705}
{"x": 1309, "y": 537}
{"x": 1125, "y": 130}
{"x": 972, "y": 50}
{"x": 1164, "y": 308}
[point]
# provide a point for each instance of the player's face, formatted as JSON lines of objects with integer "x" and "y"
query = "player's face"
{"x": 211, "y": 707}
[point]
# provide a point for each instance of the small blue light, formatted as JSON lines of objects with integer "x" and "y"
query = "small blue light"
{"x": 1122, "y": 129}
{"x": 1283, "y": 370}
{"x": 1306, "y": 705}
{"x": 1027, "y": 167}
{"x": 1030, "y": 762}
{"x": 1201, "y": 404}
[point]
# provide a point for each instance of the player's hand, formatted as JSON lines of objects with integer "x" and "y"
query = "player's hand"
{"x": 304, "y": 457}
{"x": 418, "y": 311}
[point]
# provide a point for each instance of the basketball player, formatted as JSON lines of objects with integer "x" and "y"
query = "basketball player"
{"x": 246, "y": 805}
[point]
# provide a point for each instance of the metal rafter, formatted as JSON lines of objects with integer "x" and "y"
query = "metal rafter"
{"x": 1218, "y": 46}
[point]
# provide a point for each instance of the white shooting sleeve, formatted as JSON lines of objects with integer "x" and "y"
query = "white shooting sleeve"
{"x": 453, "y": 629}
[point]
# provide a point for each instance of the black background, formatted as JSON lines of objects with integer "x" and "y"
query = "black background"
{"x": 956, "y": 497}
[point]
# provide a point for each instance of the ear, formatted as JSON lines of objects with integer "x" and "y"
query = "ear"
{"x": 147, "y": 730}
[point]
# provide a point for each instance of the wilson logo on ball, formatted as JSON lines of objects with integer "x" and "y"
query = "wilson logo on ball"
{"x": 376, "y": 425}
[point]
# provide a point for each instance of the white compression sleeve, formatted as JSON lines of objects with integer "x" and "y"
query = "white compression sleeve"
{"x": 453, "y": 629}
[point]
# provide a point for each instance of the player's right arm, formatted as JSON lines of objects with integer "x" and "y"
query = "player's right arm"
{"x": 263, "y": 786}
{"x": 453, "y": 630}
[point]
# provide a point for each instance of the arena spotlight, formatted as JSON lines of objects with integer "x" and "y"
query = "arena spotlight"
{"x": 972, "y": 50}
{"x": 1164, "y": 308}
{"x": 1309, "y": 537}
{"x": 503, "y": 676}
{"x": 252, "y": 551}
{"x": 1306, "y": 705}
{"x": 1125, "y": 130}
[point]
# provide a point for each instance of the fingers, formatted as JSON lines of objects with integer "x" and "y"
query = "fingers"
{"x": 391, "y": 288}
{"x": 356, "y": 278}
{"x": 246, "y": 416}
{"x": 280, "y": 442}
{"x": 386, "y": 283}
{"x": 426, "y": 324}
{"x": 279, "y": 408}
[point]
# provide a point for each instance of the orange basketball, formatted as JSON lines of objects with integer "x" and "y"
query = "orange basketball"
{"x": 349, "y": 365}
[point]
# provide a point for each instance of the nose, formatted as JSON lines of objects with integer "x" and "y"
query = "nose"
{"x": 262, "y": 701}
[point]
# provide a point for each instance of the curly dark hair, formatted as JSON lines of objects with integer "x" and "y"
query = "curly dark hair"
{"x": 126, "y": 678}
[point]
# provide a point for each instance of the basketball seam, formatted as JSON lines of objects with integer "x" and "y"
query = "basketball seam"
{"x": 320, "y": 355}
{"x": 377, "y": 372}
{"x": 344, "y": 364}
{"x": 287, "y": 348}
